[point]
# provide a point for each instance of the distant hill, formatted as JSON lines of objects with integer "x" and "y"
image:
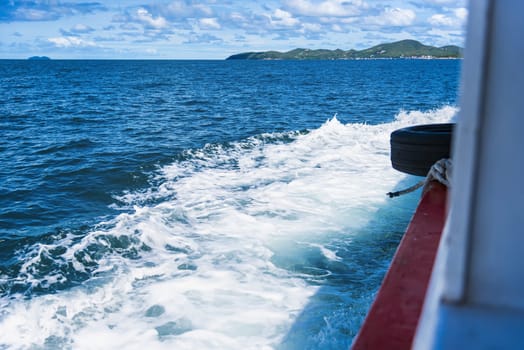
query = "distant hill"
{"x": 399, "y": 49}
{"x": 38, "y": 58}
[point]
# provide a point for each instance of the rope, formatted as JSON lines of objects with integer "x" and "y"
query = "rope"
{"x": 407, "y": 190}
{"x": 440, "y": 171}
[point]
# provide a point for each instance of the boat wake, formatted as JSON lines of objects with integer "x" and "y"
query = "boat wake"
{"x": 224, "y": 250}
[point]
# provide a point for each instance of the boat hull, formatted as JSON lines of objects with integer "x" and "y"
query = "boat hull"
{"x": 392, "y": 320}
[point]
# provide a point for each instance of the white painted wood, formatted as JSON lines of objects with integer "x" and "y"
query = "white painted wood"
{"x": 476, "y": 295}
{"x": 496, "y": 272}
{"x": 465, "y": 152}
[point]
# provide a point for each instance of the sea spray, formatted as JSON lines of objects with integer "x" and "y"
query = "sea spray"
{"x": 276, "y": 241}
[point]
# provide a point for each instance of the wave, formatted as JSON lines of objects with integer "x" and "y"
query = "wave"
{"x": 223, "y": 250}
{"x": 66, "y": 146}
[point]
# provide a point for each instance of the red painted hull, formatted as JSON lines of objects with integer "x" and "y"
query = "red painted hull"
{"x": 392, "y": 320}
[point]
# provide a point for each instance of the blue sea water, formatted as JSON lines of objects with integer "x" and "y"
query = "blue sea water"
{"x": 202, "y": 204}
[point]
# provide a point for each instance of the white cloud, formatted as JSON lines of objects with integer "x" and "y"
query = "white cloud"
{"x": 348, "y": 20}
{"x": 441, "y": 20}
{"x": 146, "y": 18}
{"x": 81, "y": 29}
{"x": 441, "y": 2}
{"x": 461, "y": 13}
{"x": 203, "y": 39}
{"x": 327, "y": 8}
{"x": 441, "y": 37}
{"x": 209, "y": 23}
{"x": 283, "y": 18}
{"x": 46, "y": 10}
{"x": 393, "y": 17}
{"x": 129, "y": 27}
{"x": 457, "y": 18}
{"x": 71, "y": 41}
{"x": 312, "y": 27}
{"x": 181, "y": 9}
{"x": 237, "y": 17}
{"x": 33, "y": 14}
{"x": 336, "y": 28}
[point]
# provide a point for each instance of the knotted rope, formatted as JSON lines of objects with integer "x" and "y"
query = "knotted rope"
{"x": 440, "y": 171}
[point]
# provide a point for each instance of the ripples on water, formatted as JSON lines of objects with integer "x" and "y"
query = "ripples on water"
{"x": 202, "y": 204}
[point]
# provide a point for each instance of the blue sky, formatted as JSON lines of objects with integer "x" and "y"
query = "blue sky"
{"x": 213, "y": 29}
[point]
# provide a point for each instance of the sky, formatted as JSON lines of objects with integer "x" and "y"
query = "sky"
{"x": 214, "y": 29}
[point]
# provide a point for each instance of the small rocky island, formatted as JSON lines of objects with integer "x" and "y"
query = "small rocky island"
{"x": 399, "y": 49}
{"x": 39, "y": 58}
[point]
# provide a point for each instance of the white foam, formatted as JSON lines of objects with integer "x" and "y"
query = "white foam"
{"x": 208, "y": 279}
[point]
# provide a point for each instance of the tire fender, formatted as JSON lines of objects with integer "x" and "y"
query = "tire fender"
{"x": 416, "y": 148}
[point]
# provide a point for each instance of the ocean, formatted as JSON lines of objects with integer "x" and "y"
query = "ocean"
{"x": 203, "y": 204}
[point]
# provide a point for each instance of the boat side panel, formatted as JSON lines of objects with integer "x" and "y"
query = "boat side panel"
{"x": 393, "y": 317}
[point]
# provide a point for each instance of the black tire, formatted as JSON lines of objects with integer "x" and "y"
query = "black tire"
{"x": 415, "y": 149}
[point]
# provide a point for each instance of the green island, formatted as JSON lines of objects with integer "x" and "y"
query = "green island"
{"x": 399, "y": 49}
